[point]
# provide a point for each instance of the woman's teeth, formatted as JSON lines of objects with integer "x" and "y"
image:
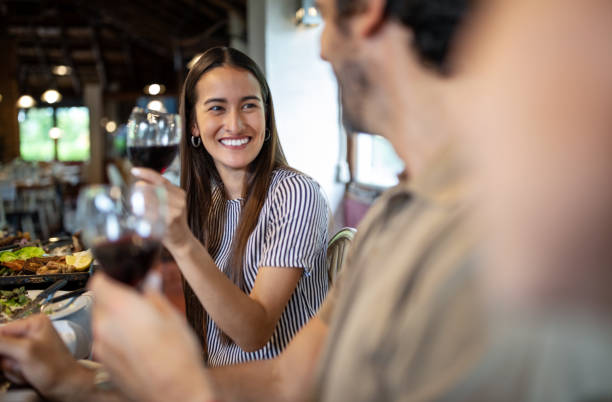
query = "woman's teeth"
{"x": 235, "y": 143}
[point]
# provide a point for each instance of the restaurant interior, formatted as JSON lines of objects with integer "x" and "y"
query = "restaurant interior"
{"x": 74, "y": 71}
{"x": 154, "y": 198}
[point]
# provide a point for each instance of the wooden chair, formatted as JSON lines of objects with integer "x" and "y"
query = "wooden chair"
{"x": 337, "y": 250}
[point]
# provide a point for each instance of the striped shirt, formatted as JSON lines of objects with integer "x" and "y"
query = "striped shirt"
{"x": 292, "y": 232}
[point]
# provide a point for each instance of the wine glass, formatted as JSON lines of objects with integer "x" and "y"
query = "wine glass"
{"x": 123, "y": 228}
{"x": 152, "y": 138}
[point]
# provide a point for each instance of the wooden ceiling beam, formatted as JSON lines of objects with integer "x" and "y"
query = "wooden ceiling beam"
{"x": 204, "y": 9}
{"x": 207, "y": 34}
{"x": 95, "y": 46}
{"x": 42, "y": 58}
{"x": 74, "y": 78}
{"x": 127, "y": 54}
{"x": 143, "y": 40}
{"x": 226, "y": 5}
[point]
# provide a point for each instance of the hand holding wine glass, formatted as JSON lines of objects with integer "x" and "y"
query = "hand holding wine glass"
{"x": 124, "y": 228}
{"x": 177, "y": 229}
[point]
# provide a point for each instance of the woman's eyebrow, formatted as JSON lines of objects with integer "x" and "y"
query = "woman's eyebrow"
{"x": 251, "y": 97}
{"x": 223, "y": 100}
{"x": 215, "y": 100}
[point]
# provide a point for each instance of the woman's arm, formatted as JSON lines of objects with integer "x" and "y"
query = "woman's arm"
{"x": 249, "y": 320}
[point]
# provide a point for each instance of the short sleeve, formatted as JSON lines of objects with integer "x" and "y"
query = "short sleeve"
{"x": 296, "y": 234}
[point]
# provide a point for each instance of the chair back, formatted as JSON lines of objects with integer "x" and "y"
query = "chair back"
{"x": 337, "y": 250}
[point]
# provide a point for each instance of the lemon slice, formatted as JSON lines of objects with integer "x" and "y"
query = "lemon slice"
{"x": 80, "y": 261}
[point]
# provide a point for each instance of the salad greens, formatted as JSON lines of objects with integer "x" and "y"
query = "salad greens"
{"x": 12, "y": 300}
{"x": 21, "y": 254}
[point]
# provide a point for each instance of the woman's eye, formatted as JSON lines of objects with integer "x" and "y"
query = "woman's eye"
{"x": 249, "y": 106}
{"x": 215, "y": 109}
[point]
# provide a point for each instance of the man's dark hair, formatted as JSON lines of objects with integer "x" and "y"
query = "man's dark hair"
{"x": 433, "y": 23}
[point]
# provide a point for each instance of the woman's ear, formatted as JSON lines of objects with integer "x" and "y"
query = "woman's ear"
{"x": 195, "y": 131}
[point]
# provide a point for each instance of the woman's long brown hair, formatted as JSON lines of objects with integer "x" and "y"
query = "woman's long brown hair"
{"x": 200, "y": 178}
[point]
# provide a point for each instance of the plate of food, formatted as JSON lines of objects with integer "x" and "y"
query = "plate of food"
{"x": 28, "y": 265}
{"x": 12, "y": 301}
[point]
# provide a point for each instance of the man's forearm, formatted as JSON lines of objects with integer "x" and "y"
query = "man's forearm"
{"x": 289, "y": 377}
{"x": 252, "y": 381}
{"x": 80, "y": 386}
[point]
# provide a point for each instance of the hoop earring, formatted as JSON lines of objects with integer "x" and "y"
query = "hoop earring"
{"x": 195, "y": 141}
{"x": 267, "y": 136}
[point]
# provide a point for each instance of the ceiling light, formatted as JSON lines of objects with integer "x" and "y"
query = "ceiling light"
{"x": 299, "y": 14}
{"x": 25, "y": 102}
{"x": 156, "y": 105}
{"x": 111, "y": 126}
{"x": 51, "y": 96}
{"x": 155, "y": 89}
{"x": 55, "y": 133}
{"x": 193, "y": 61}
{"x": 308, "y": 15}
{"x": 62, "y": 70}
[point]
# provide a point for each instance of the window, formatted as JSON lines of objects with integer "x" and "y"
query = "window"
{"x": 74, "y": 143}
{"x": 34, "y": 126}
{"x": 36, "y": 145}
{"x": 375, "y": 163}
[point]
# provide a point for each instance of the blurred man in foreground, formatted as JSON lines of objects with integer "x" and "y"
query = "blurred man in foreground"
{"x": 538, "y": 76}
{"x": 404, "y": 288}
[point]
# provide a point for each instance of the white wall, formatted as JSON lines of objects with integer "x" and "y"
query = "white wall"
{"x": 304, "y": 90}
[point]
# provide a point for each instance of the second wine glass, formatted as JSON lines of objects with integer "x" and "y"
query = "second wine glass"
{"x": 123, "y": 228}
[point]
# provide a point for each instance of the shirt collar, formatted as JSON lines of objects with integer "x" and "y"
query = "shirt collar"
{"x": 444, "y": 180}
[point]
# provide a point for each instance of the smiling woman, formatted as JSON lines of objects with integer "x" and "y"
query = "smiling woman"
{"x": 248, "y": 232}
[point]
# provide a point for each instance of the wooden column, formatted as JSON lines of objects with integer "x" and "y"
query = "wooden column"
{"x": 9, "y": 126}
{"x": 92, "y": 96}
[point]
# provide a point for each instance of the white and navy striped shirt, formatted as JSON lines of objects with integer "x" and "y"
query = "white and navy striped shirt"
{"x": 292, "y": 231}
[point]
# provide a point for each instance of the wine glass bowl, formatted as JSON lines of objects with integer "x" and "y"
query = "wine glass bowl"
{"x": 123, "y": 228}
{"x": 153, "y": 138}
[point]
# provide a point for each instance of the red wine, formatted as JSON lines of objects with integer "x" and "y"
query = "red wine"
{"x": 128, "y": 259}
{"x": 157, "y": 157}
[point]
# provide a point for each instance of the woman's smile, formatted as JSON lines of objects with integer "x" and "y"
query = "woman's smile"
{"x": 235, "y": 143}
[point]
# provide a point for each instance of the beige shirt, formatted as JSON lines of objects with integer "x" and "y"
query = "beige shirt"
{"x": 408, "y": 319}
{"x": 404, "y": 313}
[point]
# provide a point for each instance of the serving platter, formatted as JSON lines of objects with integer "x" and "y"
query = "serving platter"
{"x": 75, "y": 280}
{"x": 64, "y": 308}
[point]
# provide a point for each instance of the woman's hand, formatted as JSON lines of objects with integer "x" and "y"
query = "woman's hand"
{"x": 177, "y": 231}
{"x": 146, "y": 345}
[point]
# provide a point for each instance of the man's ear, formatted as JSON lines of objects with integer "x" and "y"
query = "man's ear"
{"x": 369, "y": 20}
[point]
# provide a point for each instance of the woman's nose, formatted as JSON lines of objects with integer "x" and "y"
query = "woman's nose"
{"x": 233, "y": 122}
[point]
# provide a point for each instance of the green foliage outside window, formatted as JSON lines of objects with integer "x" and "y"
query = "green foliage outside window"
{"x": 74, "y": 143}
{"x": 36, "y": 145}
{"x": 34, "y": 126}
